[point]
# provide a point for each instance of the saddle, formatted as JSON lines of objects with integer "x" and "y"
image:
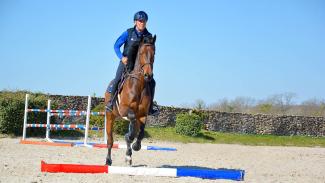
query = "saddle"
{"x": 119, "y": 86}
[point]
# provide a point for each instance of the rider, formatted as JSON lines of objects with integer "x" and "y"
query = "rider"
{"x": 131, "y": 39}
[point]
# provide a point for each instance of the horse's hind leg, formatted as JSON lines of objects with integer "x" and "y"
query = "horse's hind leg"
{"x": 129, "y": 137}
{"x": 109, "y": 127}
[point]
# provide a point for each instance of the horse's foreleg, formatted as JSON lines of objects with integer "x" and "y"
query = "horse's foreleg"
{"x": 137, "y": 145}
{"x": 129, "y": 137}
{"x": 132, "y": 127}
{"x": 109, "y": 131}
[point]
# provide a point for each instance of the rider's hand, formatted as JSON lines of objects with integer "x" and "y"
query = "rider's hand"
{"x": 125, "y": 60}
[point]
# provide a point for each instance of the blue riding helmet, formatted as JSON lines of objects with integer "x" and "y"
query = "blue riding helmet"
{"x": 141, "y": 15}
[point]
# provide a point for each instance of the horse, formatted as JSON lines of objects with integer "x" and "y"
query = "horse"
{"x": 134, "y": 100}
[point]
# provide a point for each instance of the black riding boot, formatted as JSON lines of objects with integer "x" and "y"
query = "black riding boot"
{"x": 109, "y": 105}
{"x": 154, "y": 109}
{"x": 118, "y": 76}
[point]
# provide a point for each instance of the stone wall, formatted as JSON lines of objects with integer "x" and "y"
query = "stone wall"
{"x": 221, "y": 121}
{"x": 75, "y": 102}
{"x": 248, "y": 123}
{"x": 266, "y": 124}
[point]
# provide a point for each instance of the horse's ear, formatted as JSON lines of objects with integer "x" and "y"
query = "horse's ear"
{"x": 154, "y": 39}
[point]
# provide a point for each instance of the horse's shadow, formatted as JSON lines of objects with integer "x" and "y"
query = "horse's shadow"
{"x": 206, "y": 137}
{"x": 199, "y": 136}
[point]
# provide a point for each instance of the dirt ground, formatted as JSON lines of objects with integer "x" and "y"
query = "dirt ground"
{"x": 21, "y": 163}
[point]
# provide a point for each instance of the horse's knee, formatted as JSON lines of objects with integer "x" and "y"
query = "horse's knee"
{"x": 109, "y": 142}
{"x": 131, "y": 115}
{"x": 130, "y": 136}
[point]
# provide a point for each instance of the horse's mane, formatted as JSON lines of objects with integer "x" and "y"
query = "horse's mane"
{"x": 144, "y": 41}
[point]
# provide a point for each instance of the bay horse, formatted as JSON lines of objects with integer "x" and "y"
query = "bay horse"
{"x": 134, "y": 100}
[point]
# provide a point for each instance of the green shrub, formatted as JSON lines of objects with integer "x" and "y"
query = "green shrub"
{"x": 97, "y": 120}
{"x": 202, "y": 114}
{"x": 121, "y": 127}
{"x": 11, "y": 114}
{"x": 188, "y": 124}
{"x": 12, "y": 105}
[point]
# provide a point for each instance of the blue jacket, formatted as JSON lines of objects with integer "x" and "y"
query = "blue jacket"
{"x": 128, "y": 38}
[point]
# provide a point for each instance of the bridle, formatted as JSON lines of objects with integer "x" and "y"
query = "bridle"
{"x": 134, "y": 74}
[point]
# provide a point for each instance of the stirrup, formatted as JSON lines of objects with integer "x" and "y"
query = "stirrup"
{"x": 154, "y": 110}
{"x": 109, "y": 106}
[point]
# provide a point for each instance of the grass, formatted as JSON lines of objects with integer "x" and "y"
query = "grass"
{"x": 169, "y": 134}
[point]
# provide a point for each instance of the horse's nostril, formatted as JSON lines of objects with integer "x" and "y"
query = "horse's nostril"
{"x": 147, "y": 76}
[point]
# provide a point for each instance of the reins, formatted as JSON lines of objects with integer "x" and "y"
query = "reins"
{"x": 136, "y": 73}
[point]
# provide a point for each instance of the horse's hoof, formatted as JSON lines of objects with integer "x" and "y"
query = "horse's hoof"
{"x": 108, "y": 162}
{"x": 128, "y": 160}
{"x": 136, "y": 146}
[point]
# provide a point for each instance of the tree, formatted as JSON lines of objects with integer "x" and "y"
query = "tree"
{"x": 199, "y": 104}
{"x": 281, "y": 102}
{"x": 265, "y": 108}
{"x": 242, "y": 104}
{"x": 313, "y": 107}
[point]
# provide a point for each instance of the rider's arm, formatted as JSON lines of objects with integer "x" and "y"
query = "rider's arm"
{"x": 119, "y": 42}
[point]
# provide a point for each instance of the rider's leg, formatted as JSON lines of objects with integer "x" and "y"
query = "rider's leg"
{"x": 118, "y": 76}
{"x": 153, "y": 110}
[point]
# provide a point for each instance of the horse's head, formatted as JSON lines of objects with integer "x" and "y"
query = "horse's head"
{"x": 146, "y": 57}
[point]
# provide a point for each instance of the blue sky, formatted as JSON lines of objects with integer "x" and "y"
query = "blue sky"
{"x": 208, "y": 49}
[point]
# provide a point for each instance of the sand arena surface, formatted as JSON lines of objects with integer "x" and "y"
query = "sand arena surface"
{"x": 21, "y": 163}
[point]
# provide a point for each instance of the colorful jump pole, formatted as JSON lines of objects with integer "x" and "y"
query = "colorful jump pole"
{"x": 93, "y": 145}
{"x": 123, "y": 146}
{"x": 167, "y": 172}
